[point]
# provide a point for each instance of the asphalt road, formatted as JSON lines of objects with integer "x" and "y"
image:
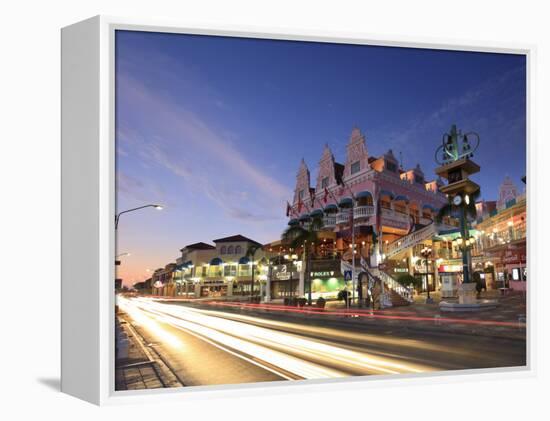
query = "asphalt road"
{"x": 206, "y": 347}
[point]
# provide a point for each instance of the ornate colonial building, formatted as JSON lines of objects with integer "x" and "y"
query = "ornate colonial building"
{"x": 373, "y": 193}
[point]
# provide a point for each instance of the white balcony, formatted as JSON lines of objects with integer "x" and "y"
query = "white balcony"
{"x": 363, "y": 212}
{"x": 329, "y": 221}
{"x": 343, "y": 217}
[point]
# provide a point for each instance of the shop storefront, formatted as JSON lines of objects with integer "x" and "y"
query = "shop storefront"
{"x": 450, "y": 276}
{"x": 513, "y": 266}
{"x": 243, "y": 287}
{"x": 214, "y": 288}
{"x": 326, "y": 279}
{"x": 420, "y": 273}
{"x": 284, "y": 281}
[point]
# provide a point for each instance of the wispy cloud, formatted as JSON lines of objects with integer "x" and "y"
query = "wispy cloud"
{"x": 463, "y": 110}
{"x": 183, "y": 143}
{"x": 141, "y": 190}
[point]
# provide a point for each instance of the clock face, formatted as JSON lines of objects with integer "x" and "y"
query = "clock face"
{"x": 457, "y": 200}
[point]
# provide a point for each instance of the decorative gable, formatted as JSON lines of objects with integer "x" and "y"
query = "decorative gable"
{"x": 302, "y": 183}
{"x": 357, "y": 156}
{"x": 326, "y": 176}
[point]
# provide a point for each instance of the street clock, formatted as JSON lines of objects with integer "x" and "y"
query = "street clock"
{"x": 457, "y": 200}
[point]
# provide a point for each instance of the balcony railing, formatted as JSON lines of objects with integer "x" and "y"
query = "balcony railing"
{"x": 329, "y": 221}
{"x": 396, "y": 216}
{"x": 363, "y": 212}
{"x": 343, "y": 217}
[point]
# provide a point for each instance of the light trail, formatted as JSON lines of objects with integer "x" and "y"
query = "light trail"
{"x": 380, "y": 314}
{"x": 280, "y": 351}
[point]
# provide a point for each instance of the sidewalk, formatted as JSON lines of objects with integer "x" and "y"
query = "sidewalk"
{"x": 511, "y": 308}
{"x": 139, "y": 369}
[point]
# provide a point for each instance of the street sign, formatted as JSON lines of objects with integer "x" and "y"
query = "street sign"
{"x": 347, "y": 275}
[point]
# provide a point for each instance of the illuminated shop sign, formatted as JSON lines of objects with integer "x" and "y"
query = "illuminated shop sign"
{"x": 322, "y": 274}
{"x": 327, "y": 268}
{"x": 283, "y": 273}
{"x": 450, "y": 268}
{"x": 400, "y": 270}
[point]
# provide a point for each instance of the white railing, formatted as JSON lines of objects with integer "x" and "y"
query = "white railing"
{"x": 410, "y": 240}
{"x": 343, "y": 217}
{"x": 403, "y": 291}
{"x": 363, "y": 212}
{"x": 396, "y": 216}
{"x": 329, "y": 221}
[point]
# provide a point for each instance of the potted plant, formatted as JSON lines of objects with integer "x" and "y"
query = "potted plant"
{"x": 344, "y": 296}
{"x": 301, "y": 302}
{"x": 321, "y": 302}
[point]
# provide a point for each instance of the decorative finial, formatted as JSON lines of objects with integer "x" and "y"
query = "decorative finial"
{"x": 456, "y": 145}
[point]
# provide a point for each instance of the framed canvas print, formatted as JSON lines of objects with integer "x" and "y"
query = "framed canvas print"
{"x": 246, "y": 210}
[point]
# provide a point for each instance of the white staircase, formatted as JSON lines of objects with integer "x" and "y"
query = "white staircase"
{"x": 411, "y": 239}
{"x": 392, "y": 291}
{"x": 406, "y": 293}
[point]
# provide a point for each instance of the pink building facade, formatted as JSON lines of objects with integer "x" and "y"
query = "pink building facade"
{"x": 373, "y": 192}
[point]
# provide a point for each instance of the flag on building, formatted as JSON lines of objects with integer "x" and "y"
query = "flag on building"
{"x": 312, "y": 197}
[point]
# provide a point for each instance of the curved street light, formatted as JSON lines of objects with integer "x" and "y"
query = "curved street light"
{"x": 117, "y": 217}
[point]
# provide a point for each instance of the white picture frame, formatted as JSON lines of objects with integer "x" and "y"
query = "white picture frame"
{"x": 88, "y": 209}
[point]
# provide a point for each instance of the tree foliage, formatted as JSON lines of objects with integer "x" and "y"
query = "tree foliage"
{"x": 406, "y": 280}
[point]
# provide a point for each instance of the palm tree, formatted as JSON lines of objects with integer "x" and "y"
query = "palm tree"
{"x": 297, "y": 236}
{"x": 251, "y": 253}
{"x": 465, "y": 212}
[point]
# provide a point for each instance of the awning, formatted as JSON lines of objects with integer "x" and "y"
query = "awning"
{"x": 189, "y": 263}
{"x": 316, "y": 212}
{"x": 386, "y": 193}
{"x": 401, "y": 198}
{"x": 304, "y": 217}
{"x": 331, "y": 208}
{"x": 181, "y": 267}
{"x": 216, "y": 261}
{"x": 244, "y": 260}
{"x": 428, "y": 206}
{"x": 346, "y": 202}
{"x": 293, "y": 221}
{"x": 364, "y": 195}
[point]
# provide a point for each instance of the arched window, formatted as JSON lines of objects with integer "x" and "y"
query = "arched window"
{"x": 223, "y": 250}
{"x": 230, "y": 250}
{"x": 238, "y": 250}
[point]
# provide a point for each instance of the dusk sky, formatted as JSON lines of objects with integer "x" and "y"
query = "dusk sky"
{"x": 214, "y": 128}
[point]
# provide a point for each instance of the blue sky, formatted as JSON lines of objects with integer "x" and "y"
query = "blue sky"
{"x": 215, "y": 127}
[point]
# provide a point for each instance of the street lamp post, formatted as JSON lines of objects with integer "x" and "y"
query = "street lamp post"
{"x": 426, "y": 252}
{"x": 117, "y": 216}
